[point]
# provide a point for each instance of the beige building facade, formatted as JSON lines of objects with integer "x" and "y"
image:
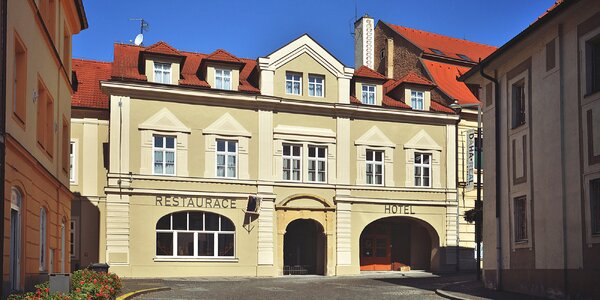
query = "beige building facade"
{"x": 542, "y": 107}
{"x": 343, "y": 180}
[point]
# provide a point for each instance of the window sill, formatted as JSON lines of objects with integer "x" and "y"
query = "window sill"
{"x": 196, "y": 259}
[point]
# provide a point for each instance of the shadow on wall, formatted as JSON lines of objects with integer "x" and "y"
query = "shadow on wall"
{"x": 85, "y": 218}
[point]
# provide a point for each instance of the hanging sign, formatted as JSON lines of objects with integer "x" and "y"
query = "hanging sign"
{"x": 470, "y": 159}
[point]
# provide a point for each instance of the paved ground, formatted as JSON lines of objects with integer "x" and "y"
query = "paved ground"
{"x": 372, "y": 285}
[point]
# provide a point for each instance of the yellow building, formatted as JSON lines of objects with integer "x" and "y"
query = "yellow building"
{"x": 345, "y": 175}
{"x": 37, "y": 200}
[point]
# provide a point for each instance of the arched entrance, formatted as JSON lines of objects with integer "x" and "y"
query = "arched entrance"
{"x": 398, "y": 244}
{"x": 304, "y": 248}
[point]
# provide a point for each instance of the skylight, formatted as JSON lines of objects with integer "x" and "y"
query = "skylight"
{"x": 436, "y": 51}
{"x": 464, "y": 57}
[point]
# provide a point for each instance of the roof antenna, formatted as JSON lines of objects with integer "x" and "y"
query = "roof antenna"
{"x": 352, "y": 21}
{"x": 144, "y": 26}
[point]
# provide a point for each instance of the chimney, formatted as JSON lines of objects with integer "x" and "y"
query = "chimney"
{"x": 364, "y": 42}
{"x": 389, "y": 70}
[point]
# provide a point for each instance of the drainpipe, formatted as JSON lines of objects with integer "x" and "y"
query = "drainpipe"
{"x": 457, "y": 197}
{"x": 562, "y": 158}
{"x": 498, "y": 173}
{"x": 3, "y": 22}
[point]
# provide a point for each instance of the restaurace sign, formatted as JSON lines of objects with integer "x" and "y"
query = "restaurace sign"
{"x": 195, "y": 201}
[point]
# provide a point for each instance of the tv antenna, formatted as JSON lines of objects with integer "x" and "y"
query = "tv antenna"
{"x": 144, "y": 26}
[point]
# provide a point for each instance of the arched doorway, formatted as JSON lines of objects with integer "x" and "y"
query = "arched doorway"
{"x": 398, "y": 244}
{"x": 304, "y": 245}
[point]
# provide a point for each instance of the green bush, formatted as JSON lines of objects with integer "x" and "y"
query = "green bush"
{"x": 86, "y": 284}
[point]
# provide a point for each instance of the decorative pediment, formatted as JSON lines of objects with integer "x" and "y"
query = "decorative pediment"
{"x": 164, "y": 120}
{"x": 422, "y": 140}
{"x": 374, "y": 137}
{"x": 305, "y": 201}
{"x": 227, "y": 125}
{"x": 305, "y": 45}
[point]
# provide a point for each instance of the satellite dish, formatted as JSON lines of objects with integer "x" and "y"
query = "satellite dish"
{"x": 139, "y": 39}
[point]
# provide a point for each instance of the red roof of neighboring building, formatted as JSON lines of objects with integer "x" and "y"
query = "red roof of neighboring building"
{"x": 224, "y": 56}
{"x": 444, "y": 75}
{"x": 449, "y": 46}
{"x": 89, "y": 73}
{"x": 441, "y": 108}
{"x": 162, "y": 48}
{"x": 367, "y": 72}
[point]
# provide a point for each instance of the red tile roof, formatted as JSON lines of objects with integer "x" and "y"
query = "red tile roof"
{"x": 89, "y": 73}
{"x": 366, "y": 72}
{"x": 162, "y": 48}
{"x": 126, "y": 62}
{"x": 354, "y": 100}
{"x": 441, "y": 108}
{"x": 224, "y": 56}
{"x": 444, "y": 75}
{"x": 387, "y": 101}
{"x": 555, "y": 5}
{"x": 449, "y": 46}
{"x": 415, "y": 78}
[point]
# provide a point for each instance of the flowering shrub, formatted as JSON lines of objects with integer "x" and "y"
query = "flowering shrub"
{"x": 86, "y": 285}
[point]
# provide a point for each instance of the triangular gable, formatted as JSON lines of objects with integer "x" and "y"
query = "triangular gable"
{"x": 374, "y": 137}
{"x": 302, "y": 45}
{"x": 226, "y": 125}
{"x": 422, "y": 140}
{"x": 223, "y": 56}
{"x": 164, "y": 120}
{"x": 162, "y": 48}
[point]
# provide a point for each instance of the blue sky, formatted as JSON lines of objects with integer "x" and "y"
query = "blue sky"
{"x": 256, "y": 28}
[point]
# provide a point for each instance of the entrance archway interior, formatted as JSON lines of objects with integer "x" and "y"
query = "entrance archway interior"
{"x": 304, "y": 248}
{"x": 395, "y": 244}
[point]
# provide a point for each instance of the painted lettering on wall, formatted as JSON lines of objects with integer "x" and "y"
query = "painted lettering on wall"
{"x": 399, "y": 209}
{"x": 193, "y": 201}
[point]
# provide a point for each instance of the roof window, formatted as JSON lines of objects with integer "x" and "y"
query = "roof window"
{"x": 464, "y": 57}
{"x": 436, "y": 51}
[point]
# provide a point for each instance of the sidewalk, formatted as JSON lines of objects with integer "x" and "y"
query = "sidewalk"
{"x": 474, "y": 290}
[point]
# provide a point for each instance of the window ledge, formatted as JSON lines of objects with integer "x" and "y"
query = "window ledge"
{"x": 196, "y": 259}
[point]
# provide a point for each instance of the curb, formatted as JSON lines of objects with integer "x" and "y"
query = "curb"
{"x": 440, "y": 292}
{"x": 133, "y": 294}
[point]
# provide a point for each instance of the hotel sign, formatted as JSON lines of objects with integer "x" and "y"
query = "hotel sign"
{"x": 470, "y": 159}
{"x": 395, "y": 209}
{"x": 195, "y": 202}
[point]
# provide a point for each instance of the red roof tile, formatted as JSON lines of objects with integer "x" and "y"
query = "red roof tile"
{"x": 224, "y": 56}
{"x": 162, "y": 48}
{"x": 189, "y": 72}
{"x": 126, "y": 62}
{"x": 354, "y": 100}
{"x": 89, "y": 73}
{"x": 387, "y": 101}
{"x": 444, "y": 75}
{"x": 449, "y": 46}
{"x": 555, "y": 5}
{"x": 367, "y": 72}
{"x": 411, "y": 77}
{"x": 441, "y": 108}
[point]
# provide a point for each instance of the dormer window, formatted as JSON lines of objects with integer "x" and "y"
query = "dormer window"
{"x": 417, "y": 100}
{"x": 162, "y": 73}
{"x": 368, "y": 94}
{"x": 223, "y": 79}
{"x": 464, "y": 57}
{"x": 315, "y": 85}
{"x": 293, "y": 83}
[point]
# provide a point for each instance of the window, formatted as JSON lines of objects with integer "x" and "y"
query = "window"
{"x": 72, "y": 161}
{"x": 45, "y": 119}
{"x": 72, "y": 237}
{"x": 20, "y": 82}
{"x": 43, "y": 233}
{"x": 195, "y": 234}
{"x": 164, "y": 155}
{"x": 66, "y": 147}
{"x": 162, "y": 73}
{"x": 223, "y": 79}
{"x": 293, "y": 83}
{"x": 374, "y": 167}
{"x": 416, "y": 100}
{"x": 595, "y": 205}
{"x": 518, "y": 104}
{"x": 47, "y": 10}
{"x": 317, "y": 161}
{"x": 315, "y": 85}
{"x": 422, "y": 169}
{"x": 226, "y": 158}
{"x": 592, "y": 56}
{"x": 520, "y": 219}
{"x": 436, "y": 51}
{"x": 462, "y": 56}
{"x": 368, "y": 94}
{"x": 292, "y": 162}
{"x": 550, "y": 55}
{"x": 67, "y": 48}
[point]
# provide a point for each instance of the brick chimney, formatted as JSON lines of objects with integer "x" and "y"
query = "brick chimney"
{"x": 364, "y": 42}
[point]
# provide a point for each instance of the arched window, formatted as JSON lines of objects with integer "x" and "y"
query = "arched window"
{"x": 43, "y": 230}
{"x": 15, "y": 238}
{"x": 192, "y": 234}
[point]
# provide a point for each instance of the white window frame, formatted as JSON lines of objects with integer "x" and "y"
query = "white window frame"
{"x": 43, "y": 251}
{"x": 526, "y": 239}
{"x": 221, "y": 76}
{"x": 165, "y": 70}
{"x": 417, "y": 100}
{"x": 422, "y": 166}
{"x": 316, "y": 160}
{"x": 290, "y": 77}
{"x": 368, "y": 90}
{"x": 195, "y": 232}
{"x": 73, "y": 161}
{"x": 164, "y": 150}
{"x": 374, "y": 162}
{"x": 291, "y": 157}
{"x": 228, "y": 156}
{"x": 315, "y": 81}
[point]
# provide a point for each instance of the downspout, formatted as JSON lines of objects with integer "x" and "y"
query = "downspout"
{"x": 562, "y": 157}
{"x": 498, "y": 173}
{"x": 457, "y": 198}
{"x": 3, "y": 25}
